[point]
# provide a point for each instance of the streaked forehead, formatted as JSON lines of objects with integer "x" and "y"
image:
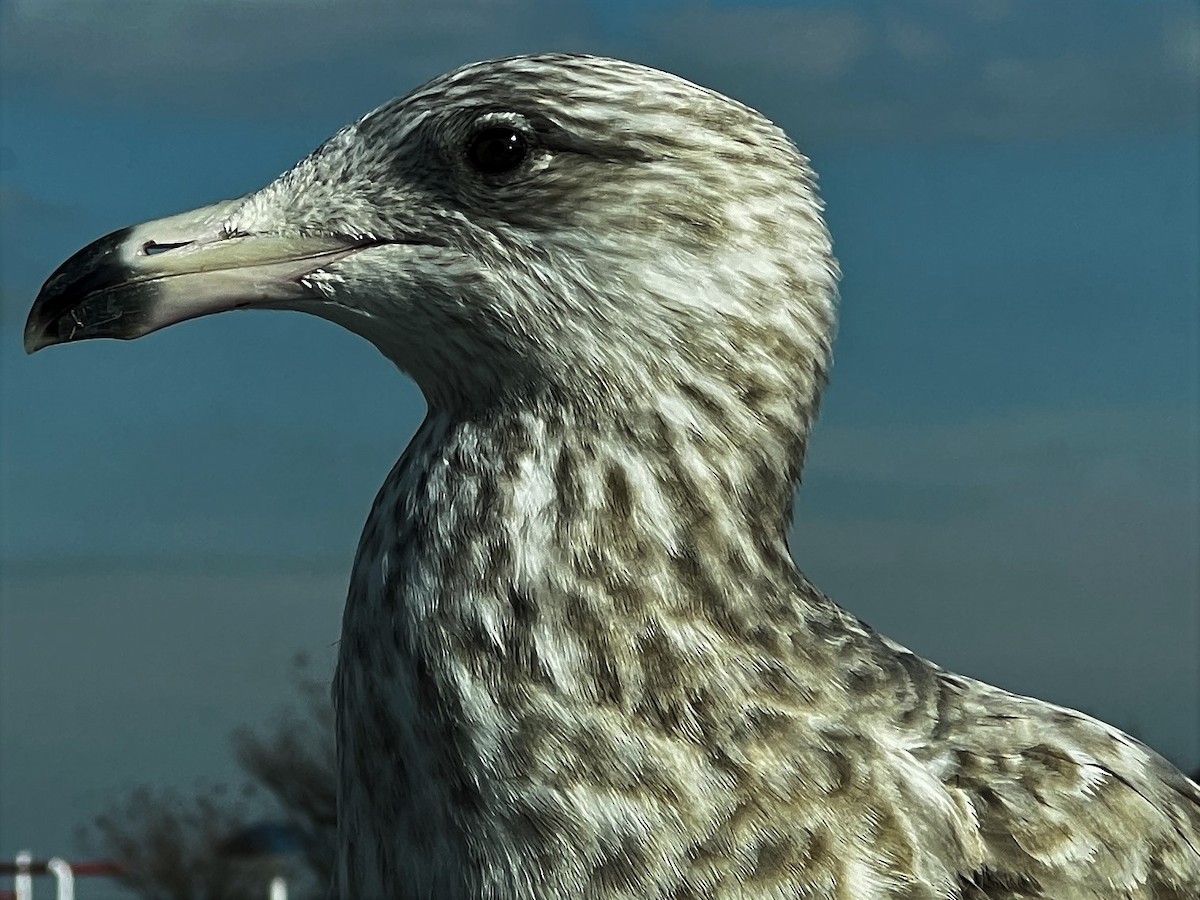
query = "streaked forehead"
{"x": 583, "y": 78}
{"x": 583, "y": 93}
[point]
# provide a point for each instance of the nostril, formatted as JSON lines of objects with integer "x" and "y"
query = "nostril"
{"x": 153, "y": 248}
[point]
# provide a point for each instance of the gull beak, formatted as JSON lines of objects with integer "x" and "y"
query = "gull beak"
{"x": 140, "y": 279}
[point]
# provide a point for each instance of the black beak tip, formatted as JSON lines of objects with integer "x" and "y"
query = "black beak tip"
{"x": 37, "y": 329}
{"x": 36, "y": 339}
{"x": 69, "y": 289}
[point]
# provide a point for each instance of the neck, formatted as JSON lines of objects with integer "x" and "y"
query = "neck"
{"x": 529, "y": 581}
{"x": 554, "y": 502}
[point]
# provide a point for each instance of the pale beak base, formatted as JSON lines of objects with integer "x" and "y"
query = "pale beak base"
{"x": 140, "y": 279}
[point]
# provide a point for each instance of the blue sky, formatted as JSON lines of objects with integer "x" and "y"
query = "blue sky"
{"x": 1004, "y": 478}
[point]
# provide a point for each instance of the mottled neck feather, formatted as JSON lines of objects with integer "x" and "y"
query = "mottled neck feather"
{"x": 537, "y": 577}
{"x": 522, "y": 526}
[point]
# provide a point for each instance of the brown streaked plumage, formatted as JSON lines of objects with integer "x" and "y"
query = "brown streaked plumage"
{"x": 577, "y": 658}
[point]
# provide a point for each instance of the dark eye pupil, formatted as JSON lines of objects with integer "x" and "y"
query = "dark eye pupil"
{"x": 494, "y": 151}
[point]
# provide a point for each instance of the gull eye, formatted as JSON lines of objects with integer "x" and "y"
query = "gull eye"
{"x": 497, "y": 149}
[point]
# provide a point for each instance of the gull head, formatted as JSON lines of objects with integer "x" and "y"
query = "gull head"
{"x": 557, "y": 227}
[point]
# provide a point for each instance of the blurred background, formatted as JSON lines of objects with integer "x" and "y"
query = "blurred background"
{"x": 1004, "y": 477}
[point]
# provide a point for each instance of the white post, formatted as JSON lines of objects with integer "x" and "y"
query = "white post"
{"x": 278, "y": 890}
{"x": 63, "y": 877}
{"x": 23, "y": 881}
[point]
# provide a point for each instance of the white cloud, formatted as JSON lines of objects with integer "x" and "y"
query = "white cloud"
{"x": 992, "y": 70}
{"x": 1181, "y": 43}
{"x": 810, "y": 43}
{"x": 989, "y": 11}
{"x": 986, "y": 69}
{"x": 265, "y": 58}
{"x": 917, "y": 43}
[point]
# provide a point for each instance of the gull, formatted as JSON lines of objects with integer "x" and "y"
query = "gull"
{"x": 577, "y": 658}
